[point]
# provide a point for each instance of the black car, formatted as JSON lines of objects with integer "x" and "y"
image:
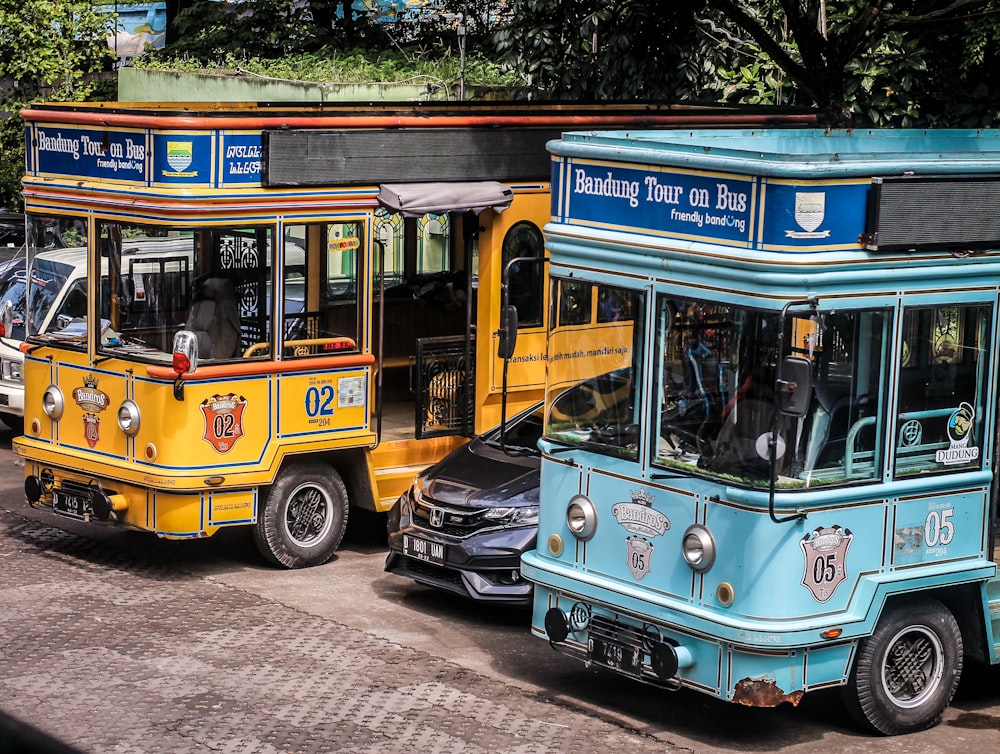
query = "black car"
{"x": 465, "y": 521}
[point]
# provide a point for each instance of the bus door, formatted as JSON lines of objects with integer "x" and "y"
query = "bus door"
{"x": 426, "y": 342}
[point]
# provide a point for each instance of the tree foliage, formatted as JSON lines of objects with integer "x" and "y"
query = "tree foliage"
{"x": 49, "y": 49}
{"x": 592, "y": 49}
{"x": 884, "y": 62}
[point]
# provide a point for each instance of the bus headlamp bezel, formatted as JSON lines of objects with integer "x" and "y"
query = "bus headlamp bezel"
{"x": 129, "y": 417}
{"x": 698, "y": 548}
{"x": 581, "y": 517}
{"x": 53, "y": 402}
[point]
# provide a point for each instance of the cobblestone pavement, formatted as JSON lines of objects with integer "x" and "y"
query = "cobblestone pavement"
{"x": 110, "y": 654}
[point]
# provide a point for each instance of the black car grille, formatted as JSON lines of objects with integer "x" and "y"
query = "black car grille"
{"x": 452, "y": 521}
{"x": 417, "y": 568}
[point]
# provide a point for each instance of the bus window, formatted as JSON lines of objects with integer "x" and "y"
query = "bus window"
{"x": 157, "y": 281}
{"x": 433, "y": 244}
{"x": 944, "y": 364}
{"x": 717, "y": 376}
{"x": 524, "y": 242}
{"x": 572, "y": 303}
{"x": 593, "y": 377}
{"x": 320, "y": 305}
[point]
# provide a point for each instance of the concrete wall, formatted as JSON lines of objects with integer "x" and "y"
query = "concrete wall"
{"x": 139, "y": 85}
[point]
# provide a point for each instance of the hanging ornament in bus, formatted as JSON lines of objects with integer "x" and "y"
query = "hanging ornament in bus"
{"x": 223, "y": 420}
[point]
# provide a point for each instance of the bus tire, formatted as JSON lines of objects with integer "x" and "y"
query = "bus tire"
{"x": 905, "y": 674}
{"x": 304, "y": 516}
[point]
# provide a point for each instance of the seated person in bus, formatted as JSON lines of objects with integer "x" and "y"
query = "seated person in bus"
{"x": 215, "y": 319}
{"x": 743, "y": 444}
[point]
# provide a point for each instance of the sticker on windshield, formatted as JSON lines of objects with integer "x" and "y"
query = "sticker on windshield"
{"x": 959, "y": 434}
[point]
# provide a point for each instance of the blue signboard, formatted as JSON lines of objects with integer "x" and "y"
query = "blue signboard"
{"x": 202, "y": 159}
{"x": 682, "y": 204}
{"x": 690, "y": 205}
{"x": 182, "y": 158}
{"x": 78, "y": 152}
{"x": 811, "y": 215}
{"x": 240, "y": 159}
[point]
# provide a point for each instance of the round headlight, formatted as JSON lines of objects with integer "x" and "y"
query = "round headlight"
{"x": 52, "y": 402}
{"x": 128, "y": 418}
{"x": 698, "y": 547}
{"x": 581, "y": 517}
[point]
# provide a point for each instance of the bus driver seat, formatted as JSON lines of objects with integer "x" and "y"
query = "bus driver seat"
{"x": 215, "y": 319}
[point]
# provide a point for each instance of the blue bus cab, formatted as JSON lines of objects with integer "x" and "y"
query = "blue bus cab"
{"x": 769, "y": 461}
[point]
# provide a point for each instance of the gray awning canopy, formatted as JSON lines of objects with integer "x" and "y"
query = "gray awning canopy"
{"x": 417, "y": 199}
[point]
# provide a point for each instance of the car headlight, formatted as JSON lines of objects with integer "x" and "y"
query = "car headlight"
{"x": 417, "y": 491}
{"x": 12, "y": 370}
{"x": 514, "y": 516}
{"x": 581, "y": 517}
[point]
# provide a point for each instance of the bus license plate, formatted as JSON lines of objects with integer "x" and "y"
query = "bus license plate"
{"x": 620, "y": 657}
{"x": 74, "y": 506}
{"x": 423, "y": 549}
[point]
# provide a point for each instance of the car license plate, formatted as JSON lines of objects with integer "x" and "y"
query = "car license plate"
{"x": 617, "y": 656}
{"x": 74, "y": 506}
{"x": 423, "y": 549}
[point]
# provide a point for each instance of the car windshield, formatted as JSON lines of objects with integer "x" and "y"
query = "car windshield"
{"x": 521, "y": 434}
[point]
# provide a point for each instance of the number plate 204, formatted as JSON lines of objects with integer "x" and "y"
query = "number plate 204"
{"x": 615, "y": 655}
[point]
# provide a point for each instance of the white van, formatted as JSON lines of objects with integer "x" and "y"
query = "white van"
{"x": 151, "y": 268}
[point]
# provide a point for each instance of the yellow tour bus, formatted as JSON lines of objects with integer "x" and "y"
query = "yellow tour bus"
{"x": 286, "y": 310}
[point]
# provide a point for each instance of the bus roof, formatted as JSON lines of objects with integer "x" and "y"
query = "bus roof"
{"x": 796, "y": 153}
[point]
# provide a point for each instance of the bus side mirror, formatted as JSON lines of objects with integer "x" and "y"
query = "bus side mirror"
{"x": 507, "y": 332}
{"x": 185, "y": 359}
{"x": 794, "y": 386}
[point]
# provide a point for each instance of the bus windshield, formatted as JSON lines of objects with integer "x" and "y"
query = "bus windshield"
{"x": 718, "y": 409}
{"x": 217, "y": 283}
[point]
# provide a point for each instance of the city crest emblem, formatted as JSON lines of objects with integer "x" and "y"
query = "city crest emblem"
{"x": 810, "y": 210}
{"x": 810, "y": 213}
{"x": 179, "y": 155}
{"x": 223, "y": 420}
{"x": 824, "y": 551}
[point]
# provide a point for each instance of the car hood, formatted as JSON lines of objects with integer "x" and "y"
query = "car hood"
{"x": 480, "y": 474}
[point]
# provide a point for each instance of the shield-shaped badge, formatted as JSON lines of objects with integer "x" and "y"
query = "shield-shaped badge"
{"x": 92, "y": 429}
{"x": 825, "y": 553}
{"x": 223, "y": 420}
{"x": 179, "y": 154}
{"x": 640, "y": 555}
{"x": 810, "y": 210}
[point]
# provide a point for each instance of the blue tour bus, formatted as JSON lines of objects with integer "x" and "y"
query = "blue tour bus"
{"x": 769, "y": 458}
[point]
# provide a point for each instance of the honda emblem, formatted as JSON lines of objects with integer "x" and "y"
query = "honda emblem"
{"x": 437, "y": 517}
